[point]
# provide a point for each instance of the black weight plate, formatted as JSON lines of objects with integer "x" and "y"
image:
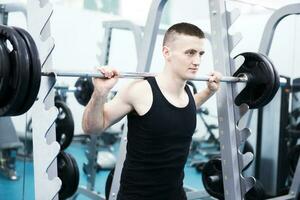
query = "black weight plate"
{"x": 276, "y": 80}
{"x": 19, "y": 78}
{"x": 4, "y": 73}
{"x": 64, "y": 125}
{"x": 35, "y": 70}
{"x": 76, "y": 175}
{"x": 213, "y": 168}
{"x": 259, "y": 88}
{"x": 108, "y": 182}
{"x": 257, "y": 192}
{"x": 68, "y": 173}
{"x": 84, "y": 90}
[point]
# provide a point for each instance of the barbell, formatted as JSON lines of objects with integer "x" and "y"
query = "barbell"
{"x": 139, "y": 75}
{"x": 20, "y": 74}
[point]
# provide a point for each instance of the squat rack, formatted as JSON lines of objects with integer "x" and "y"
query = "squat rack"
{"x": 45, "y": 147}
{"x": 44, "y": 113}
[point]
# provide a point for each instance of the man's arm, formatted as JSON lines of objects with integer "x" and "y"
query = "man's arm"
{"x": 213, "y": 85}
{"x": 99, "y": 115}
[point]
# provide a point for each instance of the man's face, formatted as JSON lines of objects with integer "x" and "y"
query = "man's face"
{"x": 184, "y": 54}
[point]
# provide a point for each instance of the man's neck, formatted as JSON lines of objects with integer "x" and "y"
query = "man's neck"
{"x": 171, "y": 82}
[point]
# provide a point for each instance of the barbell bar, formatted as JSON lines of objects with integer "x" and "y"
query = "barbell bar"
{"x": 140, "y": 75}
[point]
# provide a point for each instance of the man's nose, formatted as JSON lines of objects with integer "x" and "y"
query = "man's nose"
{"x": 196, "y": 60}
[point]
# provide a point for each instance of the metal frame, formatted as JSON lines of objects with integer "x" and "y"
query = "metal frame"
{"x": 150, "y": 33}
{"x": 44, "y": 113}
{"x": 3, "y": 14}
{"x": 231, "y": 138}
{"x": 45, "y": 147}
{"x": 265, "y": 45}
{"x": 120, "y": 24}
{"x": 9, "y": 8}
{"x": 91, "y": 170}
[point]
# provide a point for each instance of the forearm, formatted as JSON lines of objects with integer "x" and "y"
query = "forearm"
{"x": 93, "y": 117}
{"x": 203, "y": 96}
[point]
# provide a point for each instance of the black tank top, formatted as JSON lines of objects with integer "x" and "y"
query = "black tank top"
{"x": 157, "y": 149}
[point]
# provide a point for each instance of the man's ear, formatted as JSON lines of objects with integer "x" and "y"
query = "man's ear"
{"x": 166, "y": 52}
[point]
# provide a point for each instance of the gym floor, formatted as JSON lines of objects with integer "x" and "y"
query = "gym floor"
{"x": 23, "y": 188}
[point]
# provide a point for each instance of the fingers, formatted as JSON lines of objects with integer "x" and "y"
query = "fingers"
{"x": 214, "y": 81}
{"x": 215, "y": 77}
{"x": 108, "y": 72}
{"x": 103, "y": 85}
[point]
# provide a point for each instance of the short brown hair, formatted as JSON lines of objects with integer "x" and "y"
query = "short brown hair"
{"x": 183, "y": 28}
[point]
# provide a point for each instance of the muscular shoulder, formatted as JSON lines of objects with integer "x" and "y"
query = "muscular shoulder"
{"x": 140, "y": 95}
{"x": 138, "y": 88}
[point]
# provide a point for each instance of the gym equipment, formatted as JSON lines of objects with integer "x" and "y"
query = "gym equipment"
{"x": 212, "y": 178}
{"x": 213, "y": 182}
{"x": 256, "y": 72}
{"x": 9, "y": 145}
{"x": 109, "y": 182}
{"x": 106, "y": 160}
{"x": 256, "y": 193}
{"x": 141, "y": 75}
{"x": 5, "y": 69}
{"x": 199, "y": 165}
{"x": 68, "y": 173}
{"x": 293, "y": 157}
{"x": 84, "y": 90}
{"x": 8, "y": 163}
{"x": 257, "y": 94}
{"x": 64, "y": 125}
{"x": 18, "y": 88}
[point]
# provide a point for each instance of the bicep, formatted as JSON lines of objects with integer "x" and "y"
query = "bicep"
{"x": 116, "y": 109}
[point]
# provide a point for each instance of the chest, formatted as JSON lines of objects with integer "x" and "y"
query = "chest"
{"x": 143, "y": 104}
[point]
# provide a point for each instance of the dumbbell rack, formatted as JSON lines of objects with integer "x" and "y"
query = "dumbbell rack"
{"x": 45, "y": 147}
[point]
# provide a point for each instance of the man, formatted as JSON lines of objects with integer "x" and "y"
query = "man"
{"x": 161, "y": 117}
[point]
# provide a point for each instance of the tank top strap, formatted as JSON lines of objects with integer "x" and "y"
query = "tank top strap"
{"x": 155, "y": 90}
{"x": 188, "y": 91}
{"x": 159, "y": 97}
